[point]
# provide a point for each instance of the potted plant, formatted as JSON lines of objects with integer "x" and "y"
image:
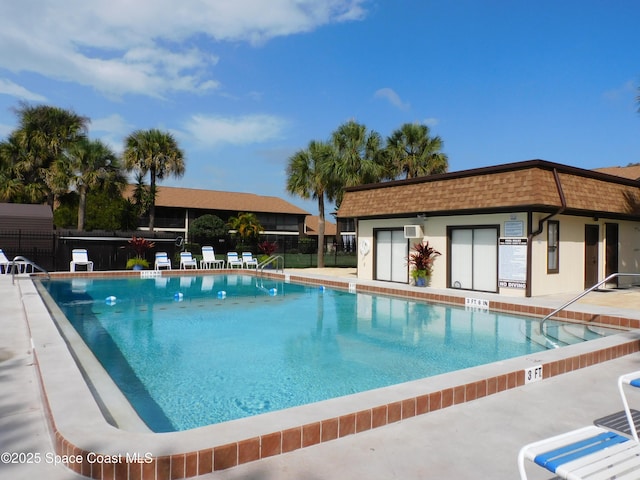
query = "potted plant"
{"x": 421, "y": 261}
{"x": 267, "y": 248}
{"x": 140, "y": 246}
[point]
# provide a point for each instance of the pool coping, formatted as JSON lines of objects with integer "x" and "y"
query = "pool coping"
{"x": 96, "y": 449}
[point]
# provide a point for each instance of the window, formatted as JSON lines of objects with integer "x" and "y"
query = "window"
{"x": 553, "y": 245}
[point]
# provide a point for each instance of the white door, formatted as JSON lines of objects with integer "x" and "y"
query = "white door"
{"x": 392, "y": 250}
{"x": 474, "y": 258}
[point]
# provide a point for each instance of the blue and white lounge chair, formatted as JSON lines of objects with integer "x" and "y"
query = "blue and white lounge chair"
{"x": 209, "y": 259}
{"x": 593, "y": 452}
{"x": 248, "y": 261}
{"x": 79, "y": 256}
{"x": 632, "y": 379}
{"x": 233, "y": 261}
{"x": 187, "y": 261}
{"x": 162, "y": 261}
{"x": 4, "y": 263}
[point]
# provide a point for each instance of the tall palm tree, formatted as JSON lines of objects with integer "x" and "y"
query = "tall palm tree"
{"x": 43, "y": 134}
{"x": 307, "y": 177}
{"x": 414, "y": 153}
{"x": 359, "y": 157}
{"x": 157, "y": 153}
{"x": 91, "y": 164}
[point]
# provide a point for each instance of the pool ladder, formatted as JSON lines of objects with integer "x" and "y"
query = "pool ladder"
{"x": 19, "y": 262}
{"x": 272, "y": 259}
{"x": 590, "y": 289}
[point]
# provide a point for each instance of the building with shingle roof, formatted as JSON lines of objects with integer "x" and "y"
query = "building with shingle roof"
{"x": 177, "y": 207}
{"x": 521, "y": 229}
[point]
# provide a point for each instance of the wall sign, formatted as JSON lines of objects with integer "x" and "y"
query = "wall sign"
{"x": 512, "y": 268}
{"x": 514, "y": 228}
{"x": 532, "y": 374}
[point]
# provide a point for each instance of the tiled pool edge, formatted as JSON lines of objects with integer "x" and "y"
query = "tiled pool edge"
{"x": 73, "y": 443}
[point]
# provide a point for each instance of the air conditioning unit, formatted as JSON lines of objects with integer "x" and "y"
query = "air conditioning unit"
{"x": 413, "y": 231}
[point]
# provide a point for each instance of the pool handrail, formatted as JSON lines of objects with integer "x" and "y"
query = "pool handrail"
{"x": 270, "y": 260}
{"x": 588, "y": 290}
{"x": 25, "y": 261}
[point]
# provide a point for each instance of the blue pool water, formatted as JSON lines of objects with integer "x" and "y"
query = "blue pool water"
{"x": 193, "y": 351}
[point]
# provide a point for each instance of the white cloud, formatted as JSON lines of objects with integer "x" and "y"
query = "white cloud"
{"x": 431, "y": 122}
{"x": 7, "y": 87}
{"x": 626, "y": 90}
{"x": 216, "y": 130}
{"x": 148, "y": 47}
{"x": 392, "y": 97}
{"x": 111, "y": 130}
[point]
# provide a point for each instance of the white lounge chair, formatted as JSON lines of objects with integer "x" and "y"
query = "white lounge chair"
{"x": 162, "y": 261}
{"x": 4, "y": 263}
{"x": 248, "y": 261}
{"x": 209, "y": 259}
{"x": 233, "y": 261}
{"x": 592, "y": 452}
{"x": 633, "y": 380}
{"x": 79, "y": 257}
{"x": 187, "y": 261}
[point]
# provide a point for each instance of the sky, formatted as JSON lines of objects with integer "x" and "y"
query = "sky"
{"x": 243, "y": 85}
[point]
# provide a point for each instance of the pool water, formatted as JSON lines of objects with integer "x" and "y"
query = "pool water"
{"x": 196, "y": 350}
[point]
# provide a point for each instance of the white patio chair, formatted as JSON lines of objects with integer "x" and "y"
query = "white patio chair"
{"x": 187, "y": 261}
{"x": 248, "y": 261}
{"x": 79, "y": 257}
{"x": 233, "y": 261}
{"x": 593, "y": 452}
{"x": 581, "y": 453}
{"x": 162, "y": 261}
{"x": 209, "y": 259}
{"x": 4, "y": 263}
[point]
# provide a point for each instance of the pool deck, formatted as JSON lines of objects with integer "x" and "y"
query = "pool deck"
{"x": 476, "y": 439}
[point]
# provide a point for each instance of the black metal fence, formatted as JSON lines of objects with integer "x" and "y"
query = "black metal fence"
{"x": 110, "y": 250}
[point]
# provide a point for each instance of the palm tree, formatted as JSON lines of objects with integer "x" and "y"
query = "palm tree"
{"x": 307, "y": 177}
{"x": 359, "y": 158}
{"x": 157, "y": 153}
{"x": 35, "y": 147}
{"x": 414, "y": 153}
{"x": 247, "y": 226}
{"x": 91, "y": 164}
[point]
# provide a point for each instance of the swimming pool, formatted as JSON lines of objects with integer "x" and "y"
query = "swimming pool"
{"x": 195, "y": 350}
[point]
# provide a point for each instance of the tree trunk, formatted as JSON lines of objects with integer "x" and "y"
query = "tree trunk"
{"x": 82, "y": 206}
{"x": 321, "y": 231}
{"x": 152, "y": 207}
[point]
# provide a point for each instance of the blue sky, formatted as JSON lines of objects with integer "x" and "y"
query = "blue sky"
{"x": 245, "y": 84}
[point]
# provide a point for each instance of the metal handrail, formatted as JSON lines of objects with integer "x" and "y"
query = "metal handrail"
{"x": 25, "y": 261}
{"x": 271, "y": 259}
{"x": 590, "y": 289}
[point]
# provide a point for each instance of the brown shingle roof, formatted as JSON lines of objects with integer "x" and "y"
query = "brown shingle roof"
{"x": 218, "y": 200}
{"x": 503, "y": 187}
{"x": 632, "y": 171}
{"x": 311, "y": 221}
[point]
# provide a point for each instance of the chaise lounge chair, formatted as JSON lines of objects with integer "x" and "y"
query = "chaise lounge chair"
{"x": 4, "y": 263}
{"x": 162, "y": 261}
{"x": 592, "y": 452}
{"x": 248, "y": 261}
{"x": 79, "y": 256}
{"x": 187, "y": 261}
{"x": 209, "y": 259}
{"x": 233, "y": 261}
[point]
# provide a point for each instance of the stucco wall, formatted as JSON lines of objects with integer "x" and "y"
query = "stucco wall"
{"x": 570, "y": 277}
